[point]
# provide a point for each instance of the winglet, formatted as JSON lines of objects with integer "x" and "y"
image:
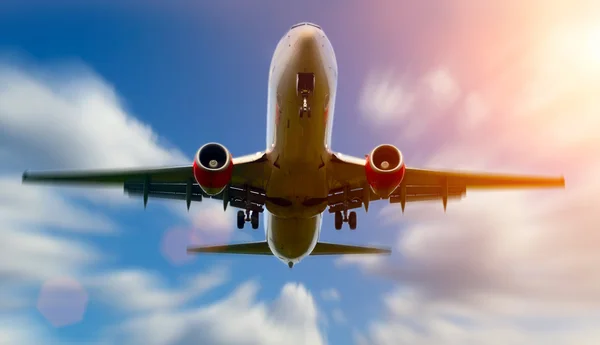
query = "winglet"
{"x": 25, "y": 176}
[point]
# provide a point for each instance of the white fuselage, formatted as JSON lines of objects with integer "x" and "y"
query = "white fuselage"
{"x": 298, "y": 146}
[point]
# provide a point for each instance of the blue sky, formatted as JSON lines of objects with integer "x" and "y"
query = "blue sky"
{"x": 146, "y": 84}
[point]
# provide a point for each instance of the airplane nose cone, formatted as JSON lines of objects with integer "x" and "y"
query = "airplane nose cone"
{"x": 307, "y": 41}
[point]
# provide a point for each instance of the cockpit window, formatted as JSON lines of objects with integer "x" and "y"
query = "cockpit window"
{"x": 306, "y": 23}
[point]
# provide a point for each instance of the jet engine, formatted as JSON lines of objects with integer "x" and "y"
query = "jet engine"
{"x": 213, "y": 167}
{"x": 385, "y": 169}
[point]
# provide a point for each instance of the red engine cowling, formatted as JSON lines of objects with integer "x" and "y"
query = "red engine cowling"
{"x": 385, "y": 169}
{"x": 213, "y": 167}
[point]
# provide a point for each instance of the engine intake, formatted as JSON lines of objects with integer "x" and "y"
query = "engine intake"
{"x": 213, "y": 167}
{"x": 385, "y": 169}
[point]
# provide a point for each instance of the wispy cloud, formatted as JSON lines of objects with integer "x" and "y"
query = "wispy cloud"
{"x": 291, "y": 318}
{"x": 338, "y": 316}
{"x": 136, "y": 290}
{"x": 388, "y": 99}
{"x": 384, "y": 97}
{"x": 442, "y": 86}
{"x": 331, "y": 294}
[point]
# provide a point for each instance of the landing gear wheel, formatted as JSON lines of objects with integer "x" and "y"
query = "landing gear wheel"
{"x": 352, "y": 220}
{"x": 254, "y": 220}
{"x": 241, "y": 219}
{"x": 338, "y": 220}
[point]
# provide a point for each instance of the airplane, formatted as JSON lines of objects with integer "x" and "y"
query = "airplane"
{"x": 298, "y": 177}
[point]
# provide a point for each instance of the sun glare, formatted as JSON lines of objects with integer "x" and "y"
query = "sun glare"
{"x": 592, "y": 45}
{"x": 576, "y": 49}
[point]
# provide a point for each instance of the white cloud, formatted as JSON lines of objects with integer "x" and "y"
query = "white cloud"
{"x": 364, "y": 261}
{"x": 413, "y": 318}
{"x": 211, "y": 218}
{"x": 19, "y": 330}
{"x": 475, "y": 112}
{"x": 384, "y": 98}
{"x": 76, "y": 121}
{"x": 292, "y": 318}
{"x": 413, "y": 104}
{"x": 66, "y": 126}
{"x": 331, "y": 294}
{"x": 45, "y": 207}
{"x": 444, "y": 89}
{"x": 140, "y": 291}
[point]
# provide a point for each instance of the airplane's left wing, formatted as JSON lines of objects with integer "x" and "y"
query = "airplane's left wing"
{"x": 350, "y": 185}
{"x": 248, "y": 181}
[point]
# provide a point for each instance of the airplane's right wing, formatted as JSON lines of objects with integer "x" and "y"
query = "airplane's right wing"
{"x": 351, "y": 186}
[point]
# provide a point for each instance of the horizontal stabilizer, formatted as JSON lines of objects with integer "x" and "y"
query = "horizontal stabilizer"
{"x": 324, "y": 248}
{"x": 251, "y": 248}
{"x": 262, "y": 248}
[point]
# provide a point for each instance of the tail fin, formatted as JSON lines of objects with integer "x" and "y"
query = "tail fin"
{"x": 262, "y": 248}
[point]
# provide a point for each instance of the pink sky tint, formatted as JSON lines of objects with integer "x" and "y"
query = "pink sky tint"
{"x": 535, "y": 77}
{"x": 174, "y": 244}
{"x": 62, "y": 301}
{"x": 548, "y": 128}
{"x": 475, "y": 39}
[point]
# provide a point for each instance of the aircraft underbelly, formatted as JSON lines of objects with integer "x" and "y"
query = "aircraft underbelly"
{"x": 297, "y": 141}
{"x": 299, "y": 152}
{"x": 291, "y": 239}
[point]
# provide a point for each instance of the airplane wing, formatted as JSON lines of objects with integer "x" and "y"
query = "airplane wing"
{"x": 248, "y": 182}
{"x": 349, "y": 181}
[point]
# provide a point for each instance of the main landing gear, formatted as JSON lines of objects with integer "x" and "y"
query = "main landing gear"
{"x": 248, "y": 216}
{"x": 341, "y": 214}
{"x": 341, "y": 217}
{"x": 305, "y": 85}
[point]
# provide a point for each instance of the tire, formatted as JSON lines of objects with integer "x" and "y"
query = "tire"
{"x": 352, "y": 220}
{"x": 338, "y": 220}
{"x": 241, "y": 219}
{"x": 254, "y": 220}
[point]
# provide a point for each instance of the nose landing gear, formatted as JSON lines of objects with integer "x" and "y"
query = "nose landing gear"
{"x": 305, "y": 85}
